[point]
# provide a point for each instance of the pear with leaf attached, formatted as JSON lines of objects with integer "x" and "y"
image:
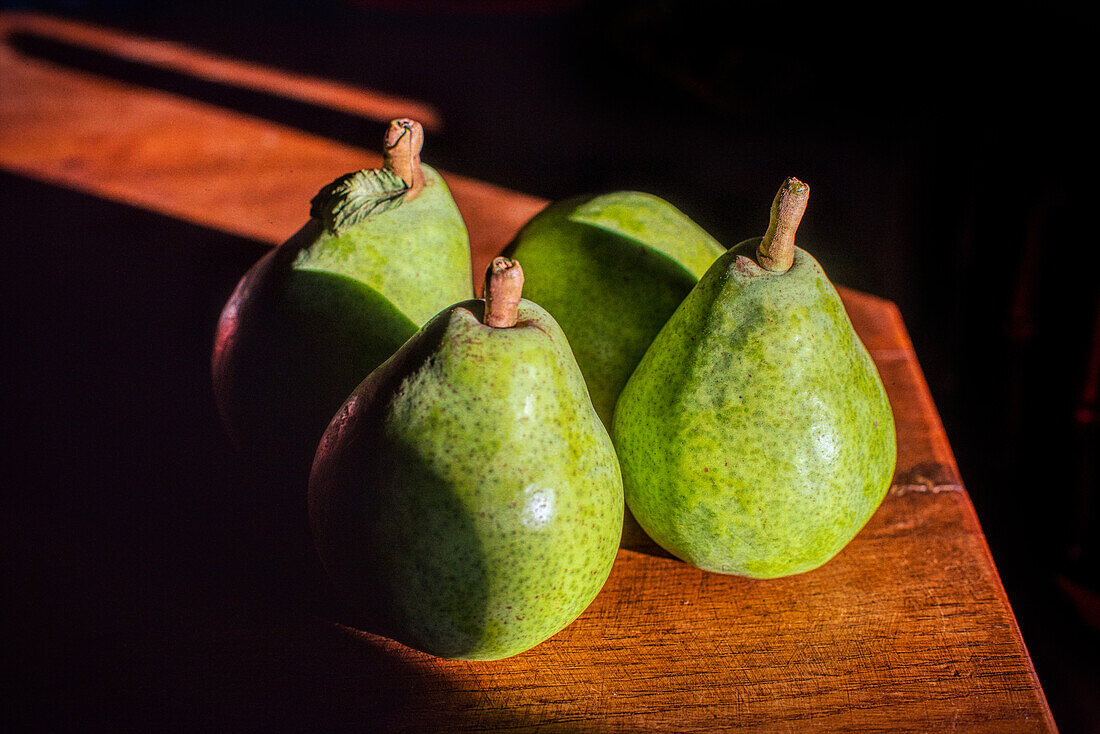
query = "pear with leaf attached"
{"x": 466, "y": 499}
{"x": 384, "y": 251}
{"x": 755, "y": 436}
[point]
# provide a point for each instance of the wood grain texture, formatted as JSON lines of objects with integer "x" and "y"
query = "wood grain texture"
{"x": 907, "y": 629}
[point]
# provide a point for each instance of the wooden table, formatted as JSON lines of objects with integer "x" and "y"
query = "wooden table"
{"x": 907, "y": 629}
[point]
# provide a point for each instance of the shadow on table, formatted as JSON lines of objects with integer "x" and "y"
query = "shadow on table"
{"x": 313, "y": 118}
{"x": 154, "y": 587}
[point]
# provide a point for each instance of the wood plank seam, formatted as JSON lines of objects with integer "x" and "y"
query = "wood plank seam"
{"x": 900, "y": 489}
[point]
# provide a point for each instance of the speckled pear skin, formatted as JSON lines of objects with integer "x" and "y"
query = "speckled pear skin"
{"x": 466, "y": 500}
{"x": 612, "y": 268}
{"x": 755, "y": 436}
{"x": 313, "y": 317}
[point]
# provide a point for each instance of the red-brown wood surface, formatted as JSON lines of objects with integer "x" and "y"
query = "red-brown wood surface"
{"x": 907, "y": 629}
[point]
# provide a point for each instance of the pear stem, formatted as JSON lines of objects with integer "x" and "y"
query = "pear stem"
{"x": 503, "y": 289}
{"x": 776, "y": 249}
{"x": 401, "y": 153}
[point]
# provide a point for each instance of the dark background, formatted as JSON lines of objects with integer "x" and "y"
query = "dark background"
{"x": 950, "y": 157}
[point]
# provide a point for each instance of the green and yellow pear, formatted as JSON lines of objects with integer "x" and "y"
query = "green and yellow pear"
{"x": 466, "y": 500}
{"x": 755, "y": 436}
{"x": 383, "y": 251}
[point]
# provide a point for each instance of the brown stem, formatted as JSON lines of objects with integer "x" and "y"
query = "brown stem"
{"x": 401, "y": 153}
{"x": 776, "y": 250}
{"x": 503, "y": 289}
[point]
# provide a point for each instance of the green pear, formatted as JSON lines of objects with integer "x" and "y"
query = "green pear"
{"x": 612, "y": 268}
{"x": 755, "y": 436}
{"x": 383, "y": 252}
{"x": 466, "y": 500}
